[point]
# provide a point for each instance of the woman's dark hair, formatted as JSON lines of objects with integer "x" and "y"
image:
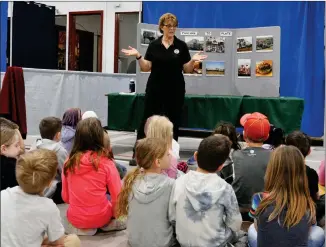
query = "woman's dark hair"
{"x": 227, "y": 129}
{"x": 89, "y": 137}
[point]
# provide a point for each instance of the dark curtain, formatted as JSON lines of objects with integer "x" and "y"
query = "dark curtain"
{"x": 8, "y": 42}
{"x": 302, "y": 41}
{"x": 86, "y": 50}
{"x": 34, "y": 36}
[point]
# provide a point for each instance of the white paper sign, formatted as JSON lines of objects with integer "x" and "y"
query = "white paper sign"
{"x": 226, "y": 34}
{"x": 208, "y": 33}
{"x": 188, "y": 33}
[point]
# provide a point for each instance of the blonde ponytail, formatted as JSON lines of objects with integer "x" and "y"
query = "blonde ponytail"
{"x": 123, "y": 199}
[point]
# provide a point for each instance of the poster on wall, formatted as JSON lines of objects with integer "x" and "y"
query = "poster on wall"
{"x": 244, "y": 44}
{"x": 147, "y": 36}
{"x": 264, "y": 68}
{"x": 215, "y": 44}
{"x": 195, "y": 43}
{"x": 264, "y": 43}
{"x": 244, "y": 68}
{"x": 215, "y": 68}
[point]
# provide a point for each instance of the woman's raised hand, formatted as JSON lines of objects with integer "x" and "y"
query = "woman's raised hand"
{"x": 199, "y": 57}
{"x": 130, "y": 51}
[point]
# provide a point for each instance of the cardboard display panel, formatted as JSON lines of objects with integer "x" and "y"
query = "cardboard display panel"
{"x": 240, "y": 61}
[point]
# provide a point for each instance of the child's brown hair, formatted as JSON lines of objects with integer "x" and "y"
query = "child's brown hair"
{"x": 287, "y": 186}
{"x": 49, "y": 127}
{"x": 147, "y": 151}
{"x": 35, "y": 170}
{"x": 89, "y": 137}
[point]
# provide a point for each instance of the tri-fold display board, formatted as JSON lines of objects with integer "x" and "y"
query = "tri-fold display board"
{"x": 242, "y": 61}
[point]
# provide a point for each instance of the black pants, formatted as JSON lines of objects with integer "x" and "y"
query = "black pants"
{"x": 165, "y": 104}
{"x": 57, "y": 199}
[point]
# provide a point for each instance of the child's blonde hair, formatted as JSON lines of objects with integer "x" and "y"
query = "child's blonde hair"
{"x": 35, "y": 170}
{"x": 160, "y": 127}
{"x": 7, "y": 135}
{"x": 147, "y": 151}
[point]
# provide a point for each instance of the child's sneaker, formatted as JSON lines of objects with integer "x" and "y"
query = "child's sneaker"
{"x": 115, "y": 225}
{"x": 70, "y": 229}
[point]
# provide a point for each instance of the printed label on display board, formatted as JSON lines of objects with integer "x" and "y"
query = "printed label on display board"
{"x": 226, "y": 34}
{"x": 208, "y": 33}
{"x": 188, "y": 33}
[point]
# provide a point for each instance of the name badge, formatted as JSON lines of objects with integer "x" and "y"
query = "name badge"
{"x": 176, "y": 51}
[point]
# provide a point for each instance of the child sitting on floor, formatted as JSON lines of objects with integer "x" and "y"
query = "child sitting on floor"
{"x": 11, "y": 125}
{"x": 50, "y": 130}
{"x": 161, "y": 127}
{"x": 301, "y": 141}
{"x": 107, "y": 144}
{"x": 70, "y": 119}
{"x": 145, "y": 196}
{"x": 9, "y": 150}
{"x": 87, "y": 176}
{"x": 203, "y": 206}
{"x": 285, "y": 213}
{"x": 27, "y": 217}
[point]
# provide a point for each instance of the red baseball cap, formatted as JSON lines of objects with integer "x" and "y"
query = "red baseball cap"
{"x": 256, "y": 126}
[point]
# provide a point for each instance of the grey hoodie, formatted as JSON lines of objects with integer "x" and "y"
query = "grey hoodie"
{"x": 62, "y": 155}
{"x": 148, "y": 224}
{"x": 205, "y": 210}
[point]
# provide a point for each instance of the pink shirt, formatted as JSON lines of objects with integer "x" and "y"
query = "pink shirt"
{"x": 85, "y": 192}
{"x": 321, "y": 173}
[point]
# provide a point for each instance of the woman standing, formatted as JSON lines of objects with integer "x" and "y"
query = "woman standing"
{"x": 166, "y": 58}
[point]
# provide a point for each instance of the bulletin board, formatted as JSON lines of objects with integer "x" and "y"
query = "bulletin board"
{"x": 240, "y": 61}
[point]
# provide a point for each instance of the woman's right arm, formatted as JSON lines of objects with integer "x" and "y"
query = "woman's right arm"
{"x": 144, "y": 64}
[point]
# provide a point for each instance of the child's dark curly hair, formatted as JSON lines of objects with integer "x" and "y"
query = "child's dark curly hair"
{"x": 227, "y": 129}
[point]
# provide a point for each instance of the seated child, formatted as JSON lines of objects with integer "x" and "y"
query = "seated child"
{"x": 161, "y": 127}
{"x": 145, "y": 196}
{"x": 285, "y": 213}
{"x": 70, "y": 119}
{"x": 121, "y": 169}
{"x": 9, "y": 150}
{"x": 203, "y": 205}
{"x": 50, "y": 130}
{"x": 227, "y": 129}
{"x": 275, "y": 138}
{"x": 27, "y": 217}
{"x": 303, "y": 143}
{"x": 250, "y": 163}
{"x": 11, "y": 125}
{"x": 87, "y": 176}
{"x": 88, "y": 114}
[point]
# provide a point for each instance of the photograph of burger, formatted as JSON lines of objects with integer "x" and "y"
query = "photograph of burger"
{"x": 264, "y": 68}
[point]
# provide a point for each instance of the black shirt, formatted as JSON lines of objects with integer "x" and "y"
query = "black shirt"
{"x": 8, "y": 172}
{"x": 167, "y": 65}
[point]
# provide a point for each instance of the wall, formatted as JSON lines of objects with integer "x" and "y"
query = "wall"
{"x": 109, "y": 8}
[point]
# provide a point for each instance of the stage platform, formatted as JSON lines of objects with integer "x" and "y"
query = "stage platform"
{"x": 203, "y": 112}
